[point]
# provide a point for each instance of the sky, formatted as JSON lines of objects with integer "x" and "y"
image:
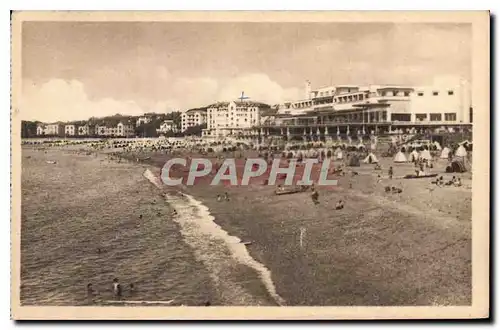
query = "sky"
{"x": 75, "y": 70}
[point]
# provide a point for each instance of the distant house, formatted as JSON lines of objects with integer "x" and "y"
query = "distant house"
{"x": 40, "y": 129}
{"x": 85, "y": 130}
{"x": 143, "y": 120}
{"x": 125, "y": 129}
{"x": 122, "y": 129}
{"x": 167, "y": 126}
{"x": 53, "y": 129}
{"x": 69, "y": 130}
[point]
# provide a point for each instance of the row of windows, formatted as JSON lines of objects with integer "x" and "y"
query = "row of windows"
{"x": 435, "y": 93}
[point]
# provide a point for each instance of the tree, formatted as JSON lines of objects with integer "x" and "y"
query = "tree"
{"x": 28, "y": 128}
{"x": 195, "y": 130}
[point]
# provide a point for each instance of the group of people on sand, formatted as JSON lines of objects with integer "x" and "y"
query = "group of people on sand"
{"x": 222, "y": 197}
{"x": 457, "y": 182}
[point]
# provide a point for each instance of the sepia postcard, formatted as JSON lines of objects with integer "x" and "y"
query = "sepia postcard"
{"x": 250, "y": 165}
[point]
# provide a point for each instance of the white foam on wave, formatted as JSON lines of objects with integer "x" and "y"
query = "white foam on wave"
{"x": 213, "y": 245}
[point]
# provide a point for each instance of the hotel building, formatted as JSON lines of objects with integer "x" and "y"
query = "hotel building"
{"x": 193, "y": 117}
{"x": 231, "y": 118}
{"x": 360, "y": 110}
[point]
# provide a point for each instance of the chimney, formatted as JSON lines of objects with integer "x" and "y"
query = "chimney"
{"x": 308, "y": 90}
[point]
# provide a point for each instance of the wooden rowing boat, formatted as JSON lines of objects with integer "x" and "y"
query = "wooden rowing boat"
{"x": 413, "y": 176}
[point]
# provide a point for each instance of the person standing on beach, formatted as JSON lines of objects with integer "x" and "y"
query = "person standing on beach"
{"x": 391, "y": 172}
{"x": 315, "y": 196}
{"x": 117, "y": 288}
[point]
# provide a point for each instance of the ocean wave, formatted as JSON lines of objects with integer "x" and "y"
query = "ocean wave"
{"x": 219, "y": 251}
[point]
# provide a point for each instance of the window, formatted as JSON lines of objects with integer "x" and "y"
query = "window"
{"x": 420, "y": 93}
{"x": 435, "y": 93}
{"x": 421, "y": 117}
{"x": 382, "y": 93}
{"x": 450, "y": 92}
{"x": 435, "y": 117}
{"x": 407, "y": 93}
{"x": 400, "y": 117}
{"x": 450, "y": 116}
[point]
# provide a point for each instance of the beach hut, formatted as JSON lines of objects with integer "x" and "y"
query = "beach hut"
{"x": 461, "y": 152}
{"x": 413, "y": 156}
{"x": 456, "y": 166}
{"x": 353, "y": 161}
{"x": 445, "y": 153}
{"x": 370, "y": 159}
{"x": 425, "y": 154}
{"x": 400, "y": 158}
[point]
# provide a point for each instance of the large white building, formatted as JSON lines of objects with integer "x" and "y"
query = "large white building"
{"x": 193, "y": 117}
{"x": 446, "y": 101}
{"x": 231, "y": 118}
{"x": 122, "y": 129}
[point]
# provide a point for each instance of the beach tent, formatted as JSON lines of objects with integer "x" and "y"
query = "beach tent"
{"x": 339, "y": 155}
{"x": 370, "y": 159}
{"x": 456, "y": 166}
{"x": 461, "y": 152}
{"x": 425, "y": 154}
{"x": 445, "y": 153}
{"x": 400, "y": 158}
{"x": 361, "y": 146}
{"x": 413, "y": 156}
{"x": 353, "y": 161}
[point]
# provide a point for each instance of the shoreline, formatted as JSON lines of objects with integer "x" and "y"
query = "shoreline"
{"x": 368, "y": 254}
{"x": 299, "y": 272}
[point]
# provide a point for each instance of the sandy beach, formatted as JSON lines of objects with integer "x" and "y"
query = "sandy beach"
{"x": 412, "y": 248}
{"x": 382, "y": 249}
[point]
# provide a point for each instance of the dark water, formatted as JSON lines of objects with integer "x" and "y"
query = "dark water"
{"x": 81, "y": 223}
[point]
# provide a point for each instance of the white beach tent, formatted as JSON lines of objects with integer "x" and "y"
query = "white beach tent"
{"x": 413, "y": 156}
{"x": 338, "y": 154}
{"x": 461, "y": 152}
{"x": 370, "y": 159}
{"x": 445, "y": 153}
{"x": 425, "y": 154}
{"x": 400, "y": 158}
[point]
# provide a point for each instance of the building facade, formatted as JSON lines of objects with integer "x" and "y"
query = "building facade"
{"x": 194, "y": 117}
{"x": 445, "y": 101}
{"x": 167, "y": 126}
{"x": 53, "y": 129}
{"x": 122, "y": 129}
{"x": 231, "y": 118}
{"x": 69, "y": 130}
{"x": 375, "y": 109}
{"x": 85, "y": 130}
